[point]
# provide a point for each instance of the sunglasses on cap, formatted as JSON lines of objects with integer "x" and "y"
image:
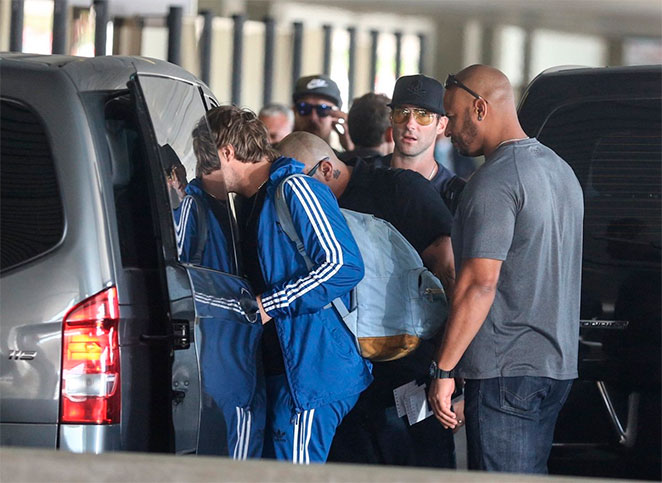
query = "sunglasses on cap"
{"x": 305, "y": 109}
{"x": 452, "y": 81}
{"x": 422, "y": 116}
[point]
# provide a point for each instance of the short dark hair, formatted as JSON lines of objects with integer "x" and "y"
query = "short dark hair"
{"x": 368, "y": 119}
{"x": 230, "y": 125}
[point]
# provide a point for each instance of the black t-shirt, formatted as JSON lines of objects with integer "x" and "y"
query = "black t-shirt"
{"x": 445, "y": 183}
{"x": 402, "y": 197}
{"x": 272, "y": 354}
{"x": 409, "y": 202}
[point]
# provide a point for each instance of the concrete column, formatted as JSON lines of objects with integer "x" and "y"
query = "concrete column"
{"x": 175, "y": 16}
{"x": 100, "y": 26}
{"x": 615, "y": 54}
{"x": 16, "y": 32}
{"x": 60, "y": 21}
{"x": 489, "y": 45}
{"x": 449, "y": 54}
{"x": 527, "y": 58}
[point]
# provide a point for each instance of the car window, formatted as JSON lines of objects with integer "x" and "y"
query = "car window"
{"x": 615, "y": 150}
{"x": 177, "y": 112}
{"x": 31, "y": 215}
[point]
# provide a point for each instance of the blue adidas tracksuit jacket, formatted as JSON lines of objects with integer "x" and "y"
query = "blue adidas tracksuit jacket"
{"x": 216, "y": 254}
{"x": 233, "y": 386}
{"x": 322, "y": 362}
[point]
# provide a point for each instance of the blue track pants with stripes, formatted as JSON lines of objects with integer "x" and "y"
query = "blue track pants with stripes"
{"x": 300, "y": 438}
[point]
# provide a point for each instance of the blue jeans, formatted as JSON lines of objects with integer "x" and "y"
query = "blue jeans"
{"x": 510, "y": 422}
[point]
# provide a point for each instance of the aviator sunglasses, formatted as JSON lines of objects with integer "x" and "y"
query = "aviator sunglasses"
{"x": 305, "y": 109}
{"x": 422, "y": 116}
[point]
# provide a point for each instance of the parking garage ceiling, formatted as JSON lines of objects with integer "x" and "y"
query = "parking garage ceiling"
{"x": 603, "y": 17}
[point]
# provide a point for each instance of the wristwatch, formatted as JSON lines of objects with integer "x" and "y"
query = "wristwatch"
{"x": 437, "y": 373}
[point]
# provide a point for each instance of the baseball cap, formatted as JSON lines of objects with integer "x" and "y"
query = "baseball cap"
{"x": 317, "y": 85}
{"x": 420, "y": 91}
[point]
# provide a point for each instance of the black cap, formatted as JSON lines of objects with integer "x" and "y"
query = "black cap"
{"x": 317, "y": 85}
{"x": 420, "y": 91}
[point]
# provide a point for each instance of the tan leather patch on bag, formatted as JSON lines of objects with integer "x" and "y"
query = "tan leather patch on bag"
{"x": 389, "y": 348}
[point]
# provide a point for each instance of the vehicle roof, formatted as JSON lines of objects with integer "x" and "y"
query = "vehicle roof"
{"x": 556, "y": 87}
{"x": 97, "y": 73}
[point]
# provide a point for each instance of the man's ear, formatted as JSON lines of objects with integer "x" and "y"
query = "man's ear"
{"x": 388, "y": 135}
{"x": 326, "y": 168}
{"x": 227, "y": 152}
{"x": 441, "y": 125}
{"x": 480, "y": 107}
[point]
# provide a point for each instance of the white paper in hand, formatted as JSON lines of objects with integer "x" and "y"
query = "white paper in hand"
{"x": 416, "y": 405}
{"x": 400, "y": 396}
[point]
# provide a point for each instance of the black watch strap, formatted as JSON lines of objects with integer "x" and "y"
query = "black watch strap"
{"x": 437, "y": 373}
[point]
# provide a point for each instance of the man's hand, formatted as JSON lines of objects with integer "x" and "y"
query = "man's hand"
{"x": 264, "y": 317}
{"x": 341, "y": 127}
{"x": 439, "y": 397}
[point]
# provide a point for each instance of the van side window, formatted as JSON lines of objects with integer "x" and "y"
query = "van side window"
{"x": 615, "y": 150}
{"x": 32, "y": 218}
{"x": 204, "y": 225}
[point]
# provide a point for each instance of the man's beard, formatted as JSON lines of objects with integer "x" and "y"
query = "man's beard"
{"x": 467, "y": 135}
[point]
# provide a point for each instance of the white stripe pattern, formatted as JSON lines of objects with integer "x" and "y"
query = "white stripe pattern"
{"x": 180, "y": 226}
{"x": 303, "y": 429}
{"x": 244, "y": 422}
{"x": 227, "y": 304}
{"x": 328, "y": 242}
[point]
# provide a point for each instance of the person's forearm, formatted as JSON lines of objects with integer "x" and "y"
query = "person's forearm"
{"x": 470, "y": 305}
{"x": 438, "y": 258}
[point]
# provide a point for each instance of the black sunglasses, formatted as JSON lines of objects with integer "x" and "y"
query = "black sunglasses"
{"x": 313, "y": 170}
{"x": 451, "y": 81}
{"x": 305, "y": 109}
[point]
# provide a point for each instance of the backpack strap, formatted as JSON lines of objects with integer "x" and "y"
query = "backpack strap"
{"x": 202, "y": 223}
{"x": 285, "y": 219}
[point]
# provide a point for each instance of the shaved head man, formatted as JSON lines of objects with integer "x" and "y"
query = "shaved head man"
{"x": 410, "y": 203}
{"x": 469, "y": 128}
{"x": 513, "y": 329}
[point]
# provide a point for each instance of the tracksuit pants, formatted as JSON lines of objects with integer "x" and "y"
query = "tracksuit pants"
{"x": 301, "y": 438}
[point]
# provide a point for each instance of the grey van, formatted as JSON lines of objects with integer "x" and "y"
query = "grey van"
{"x": 100, "y": 333}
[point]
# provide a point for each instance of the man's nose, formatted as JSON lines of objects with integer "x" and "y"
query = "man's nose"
{"x": 411, "y": 121}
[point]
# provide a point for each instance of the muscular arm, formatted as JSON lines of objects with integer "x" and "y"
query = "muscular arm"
{"x": 438, "y": 258}
{"x": 471, "y": 302}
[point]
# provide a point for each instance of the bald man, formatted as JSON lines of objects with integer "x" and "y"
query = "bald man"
{"x": 372, "y": 431}
{"x": 512, "y": 333}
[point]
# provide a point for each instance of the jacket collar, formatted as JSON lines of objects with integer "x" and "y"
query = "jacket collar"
{"x": 282, "y": 168}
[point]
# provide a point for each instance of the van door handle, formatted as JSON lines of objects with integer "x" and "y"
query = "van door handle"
{"x": 180, "y": 338}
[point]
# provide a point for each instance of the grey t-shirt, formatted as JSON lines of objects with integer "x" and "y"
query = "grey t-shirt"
{"x": 524, "y": 206}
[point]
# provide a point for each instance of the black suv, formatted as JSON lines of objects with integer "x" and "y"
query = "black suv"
{"x": 607, "y": 124}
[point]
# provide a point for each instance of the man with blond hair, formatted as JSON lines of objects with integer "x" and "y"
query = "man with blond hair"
{"x": 314, "y": 372}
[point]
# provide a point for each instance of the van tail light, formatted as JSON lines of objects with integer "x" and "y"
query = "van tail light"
{"x": 91, "y": 361}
